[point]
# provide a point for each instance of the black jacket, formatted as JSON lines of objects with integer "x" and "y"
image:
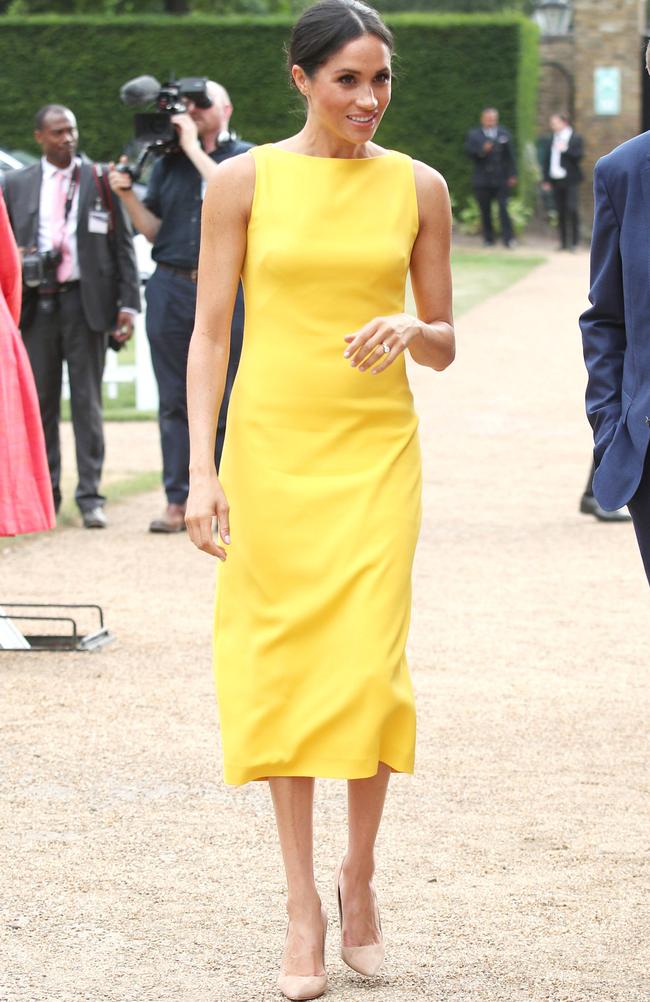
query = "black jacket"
{"x": 175, "y": 196}
{"x": 108, "y": 270}
{"x": 492, "y": 169}
{"x": 570, "y": 160}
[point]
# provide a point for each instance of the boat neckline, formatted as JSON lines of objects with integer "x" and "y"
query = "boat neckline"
{"x": 311, "y": 156}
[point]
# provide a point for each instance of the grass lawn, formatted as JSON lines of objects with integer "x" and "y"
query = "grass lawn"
{"x": 480, "y": 274}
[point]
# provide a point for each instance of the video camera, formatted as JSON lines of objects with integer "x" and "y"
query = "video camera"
{"x": 154, "y": 131}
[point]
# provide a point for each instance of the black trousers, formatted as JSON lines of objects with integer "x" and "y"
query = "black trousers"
{"x": 59, "y": 331}
{"x": 171, "y": 304}
{"x": 566, "y": 203}
{"x": 639, "y": 509}
{"x": 485, "y": 197}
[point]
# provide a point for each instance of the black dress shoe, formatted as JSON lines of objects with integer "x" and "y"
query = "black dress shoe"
{"x": 589, "y": 506}
{"x": 94, "y": 518}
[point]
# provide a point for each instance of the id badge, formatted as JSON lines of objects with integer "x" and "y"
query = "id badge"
{"x": 97, "y": 221}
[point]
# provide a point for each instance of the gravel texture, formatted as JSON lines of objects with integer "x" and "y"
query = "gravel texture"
{"x": 514, "y": 866}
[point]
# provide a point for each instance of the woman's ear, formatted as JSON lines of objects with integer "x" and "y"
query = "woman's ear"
{"x": 300, "y": 79}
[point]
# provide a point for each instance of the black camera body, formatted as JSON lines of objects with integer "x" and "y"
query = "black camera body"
{"x": 39, "y": 270}
{"x": 154, "y": 131}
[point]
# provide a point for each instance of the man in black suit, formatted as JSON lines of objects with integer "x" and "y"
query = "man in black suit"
{"x": 495, "y": 173}
{"x": 561, "y": 154}
{"x": 89, "y": 287}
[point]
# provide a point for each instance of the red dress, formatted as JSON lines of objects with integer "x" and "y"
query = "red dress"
{"x": 25, "y": 490}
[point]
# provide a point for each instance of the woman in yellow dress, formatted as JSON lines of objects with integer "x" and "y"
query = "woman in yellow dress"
{"x": 318, "y": 495}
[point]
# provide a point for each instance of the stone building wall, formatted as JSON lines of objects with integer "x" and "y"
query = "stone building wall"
{"x": 556, "y": 79}
{"x": 607, "y": 33}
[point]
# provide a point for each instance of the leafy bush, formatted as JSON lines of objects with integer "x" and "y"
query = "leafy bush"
{"x": 448, "y": 68}
{"x": 469, "y": 217}
{"x": 221, "y": 7}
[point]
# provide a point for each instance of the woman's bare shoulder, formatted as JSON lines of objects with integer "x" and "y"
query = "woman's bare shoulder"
{"x": 431, "y": 191}
{"x": 428, "y": 181}
{"x": 235, "y": 180}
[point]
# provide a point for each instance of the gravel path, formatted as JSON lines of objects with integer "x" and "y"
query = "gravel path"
{"x": 513, "y": 866}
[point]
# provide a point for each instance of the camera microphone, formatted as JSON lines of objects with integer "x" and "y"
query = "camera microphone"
{"x": 140, "y": 91}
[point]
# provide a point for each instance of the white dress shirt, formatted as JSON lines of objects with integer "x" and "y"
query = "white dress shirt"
{"x": 558, "y": 147}
{"x": 48, "y": 193}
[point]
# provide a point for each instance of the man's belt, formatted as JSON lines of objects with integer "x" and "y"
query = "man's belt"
{"x": 191, "y": 273}
{"x": 59, "y": 287}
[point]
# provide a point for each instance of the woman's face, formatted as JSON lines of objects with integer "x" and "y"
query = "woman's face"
{"x": 350, "y": 92}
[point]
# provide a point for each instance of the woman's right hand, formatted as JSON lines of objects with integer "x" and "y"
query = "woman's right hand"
{"x": 206, "y": 501}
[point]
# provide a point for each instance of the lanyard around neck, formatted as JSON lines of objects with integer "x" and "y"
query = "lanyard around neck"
{"x": 72, "y": 188}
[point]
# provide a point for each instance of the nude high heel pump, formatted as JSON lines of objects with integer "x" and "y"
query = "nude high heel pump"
{"x": 298, "y": 987}
{"x": 362, "y": 959}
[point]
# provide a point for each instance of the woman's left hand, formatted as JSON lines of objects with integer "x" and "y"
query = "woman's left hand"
{"x": 380, "y": 342}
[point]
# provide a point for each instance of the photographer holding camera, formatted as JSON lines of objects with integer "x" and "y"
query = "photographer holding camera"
{"x": 80, "y": 282}
{"x": 170, "y": 217}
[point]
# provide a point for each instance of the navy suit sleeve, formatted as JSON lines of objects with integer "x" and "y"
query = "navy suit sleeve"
{"x": 474, "y": 141}
{"x": 603, "y": 325}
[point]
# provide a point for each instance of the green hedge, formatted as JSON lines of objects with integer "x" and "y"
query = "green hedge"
{"x": 448, "y": 68}
{"x": 456, "y": 6}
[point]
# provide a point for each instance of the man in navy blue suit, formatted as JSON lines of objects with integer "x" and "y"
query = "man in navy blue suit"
{"x": 616, "y": 334}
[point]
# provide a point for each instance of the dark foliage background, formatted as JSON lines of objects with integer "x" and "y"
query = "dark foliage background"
{"x": 448, "y": 68}
{"x": 221, "y": 7}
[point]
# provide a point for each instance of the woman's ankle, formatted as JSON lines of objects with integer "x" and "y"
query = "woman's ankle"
{"x": 359, "y": 870}
{"x": 306, "y": 906}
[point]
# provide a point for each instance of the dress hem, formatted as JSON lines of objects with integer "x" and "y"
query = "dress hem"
{"x": 235, "y": 775}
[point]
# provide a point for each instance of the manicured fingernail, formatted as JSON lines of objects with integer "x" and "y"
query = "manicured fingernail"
{"x": 226, "y": 538}
{"x": 346, "y": 354}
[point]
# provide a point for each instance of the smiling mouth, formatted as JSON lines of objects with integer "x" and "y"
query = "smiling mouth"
{"x": 363, "y": 119}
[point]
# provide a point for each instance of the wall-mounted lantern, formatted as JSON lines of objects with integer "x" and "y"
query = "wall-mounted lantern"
{"x": 553, "y": 17}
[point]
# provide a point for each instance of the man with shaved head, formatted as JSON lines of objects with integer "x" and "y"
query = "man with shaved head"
{"x": 170, "y": 217}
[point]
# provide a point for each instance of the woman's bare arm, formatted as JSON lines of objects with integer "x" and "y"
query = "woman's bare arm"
{"x": 226, "y": 210}
{"x": 431, "y": 272}
{"x": 429, "y": 336}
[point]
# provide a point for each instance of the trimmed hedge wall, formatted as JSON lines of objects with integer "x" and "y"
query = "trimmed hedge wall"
{"x": 456, "y": 6}
{"x": 448, "y": 68}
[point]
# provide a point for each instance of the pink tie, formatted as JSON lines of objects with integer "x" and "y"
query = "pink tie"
{"x": 59, "y": 230}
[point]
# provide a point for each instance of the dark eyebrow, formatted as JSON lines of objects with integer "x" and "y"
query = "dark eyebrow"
{"x": 384, "y": 69}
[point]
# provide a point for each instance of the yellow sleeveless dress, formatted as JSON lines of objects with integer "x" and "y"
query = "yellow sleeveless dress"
{"x": 321, "y": 467}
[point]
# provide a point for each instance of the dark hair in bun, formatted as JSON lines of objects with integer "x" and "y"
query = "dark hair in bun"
{"x": 327, "y": 26}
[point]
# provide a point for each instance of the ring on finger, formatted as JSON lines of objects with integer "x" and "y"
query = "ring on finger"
{"x": 383, "y": 347}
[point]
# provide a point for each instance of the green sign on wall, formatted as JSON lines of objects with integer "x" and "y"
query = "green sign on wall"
{"x": 607, "y": 90}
